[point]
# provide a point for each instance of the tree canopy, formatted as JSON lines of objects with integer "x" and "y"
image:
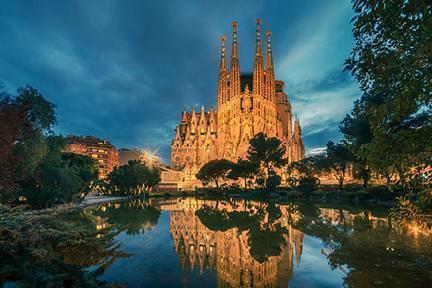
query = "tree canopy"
{"x": 267, "y": 153}
{"x": 215, "y": 170}
{"x": 31, "y": 155}
{"x": 134, "y": 178}
{"x": 391, "y": 124}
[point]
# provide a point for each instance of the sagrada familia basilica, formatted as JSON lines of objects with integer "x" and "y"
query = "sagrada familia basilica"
{"x": 247, "y": 104}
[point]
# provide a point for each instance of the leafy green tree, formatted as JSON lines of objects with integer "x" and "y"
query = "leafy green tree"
{"x": 357, "y": 132}
{"x": 308, "y": 184}
{"x": 267, "y": 154}
{"x": 362, "y": 171}
{"x": 215, "y": 170}
{"x": 35, "y": 166}
{"x": 338, "y": 161}
{"x": 25, "y": 120}
{"x": 243, "y": 169}
{"x": 392, "y": 63}
{"x": 59, "y": 178}
{"x": 85, "y": 168}
{"x": 272, "y": 181}
{"x": 306, "y": 167}
{"x": 12, "y": 119}
{"x": 134, "y": 178}
{"x": 304, "y": 173}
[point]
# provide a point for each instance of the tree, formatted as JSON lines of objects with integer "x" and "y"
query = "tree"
{"x": 392, "y": 63}
{"x": 307, "y": 167}
{"x": 59, "y": 178}
{"x": 338, "y": 161}
{"x": 215, "y": 171}
{"x": 357, "y": 132}
{"x": 243, "y": 169}
{"x": 303, "y": 174}
{"x": 267, "y": 154}
{"x": 134, "y": 178}
{"x": 12, "y": 119}
{"x": 85, "y": 168}
{"x": 361, "y": 171}
{"x": 31, "y": 154}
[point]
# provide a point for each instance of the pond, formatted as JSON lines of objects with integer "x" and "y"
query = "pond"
{"x": 192, "y": 242}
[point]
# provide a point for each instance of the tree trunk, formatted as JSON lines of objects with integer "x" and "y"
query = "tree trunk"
{"x": 365, "y": 182}
{"x": 341, "y": 181}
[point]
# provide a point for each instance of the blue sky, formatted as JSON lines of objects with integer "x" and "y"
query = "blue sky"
{"x": 124, "y": 70}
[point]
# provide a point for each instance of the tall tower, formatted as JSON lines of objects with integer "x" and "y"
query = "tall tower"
{"x": 234, "y": 85}
{"x": 270, "y": 90}
{"x": 258, "y": 73}
{"x": 247, "y": 104}
{"x": 223, "y": 76}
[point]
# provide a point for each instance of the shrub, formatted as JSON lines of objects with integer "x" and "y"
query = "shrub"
{"x": 307, "y": 185}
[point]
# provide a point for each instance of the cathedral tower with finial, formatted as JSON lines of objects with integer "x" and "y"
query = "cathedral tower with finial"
{"x": 247, "y": 104}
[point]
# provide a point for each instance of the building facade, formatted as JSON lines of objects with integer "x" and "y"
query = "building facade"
{"x": 105, "y": 154}
{"x": 247, "y": 104}
{"x": 126, "y": 155}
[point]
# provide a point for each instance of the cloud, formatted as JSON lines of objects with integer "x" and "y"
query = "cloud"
{"x": 124, "y": 72}
{"x": 324, "y": 103}
{"x": 315, "y": 151}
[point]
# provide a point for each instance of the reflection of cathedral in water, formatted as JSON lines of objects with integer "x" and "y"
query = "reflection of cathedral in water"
{"x": 228, "y": 251}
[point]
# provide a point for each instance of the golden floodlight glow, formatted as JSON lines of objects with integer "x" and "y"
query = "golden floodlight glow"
{"x": 151, "y": 157}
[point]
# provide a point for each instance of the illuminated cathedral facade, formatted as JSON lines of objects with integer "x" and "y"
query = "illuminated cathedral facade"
{"x": 247, "y": 104}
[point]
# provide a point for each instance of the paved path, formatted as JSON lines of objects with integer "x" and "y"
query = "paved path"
{"x": 93, "y": 200}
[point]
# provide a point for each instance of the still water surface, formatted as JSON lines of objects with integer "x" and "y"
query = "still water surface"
{"x": 187, "y": 242}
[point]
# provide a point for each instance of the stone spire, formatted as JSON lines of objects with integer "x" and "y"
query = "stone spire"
{"x": 270, "y": 89}
{"x": 178, "y": 137}
{"x": 212, "y": 121}
{"x": 194, "y": 122}
{"x": 297, "y": 129}
{"x": 258, "y": 73}
{"x": 223, "y": 77}
{"x": 202, "y": 121}
{"x": 235, "y": 66}
{"x": 184, "y": 118}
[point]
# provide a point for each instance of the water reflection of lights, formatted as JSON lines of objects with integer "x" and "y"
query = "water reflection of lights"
{"x": 413, "y": 228}
{"x": 101, "y": 226}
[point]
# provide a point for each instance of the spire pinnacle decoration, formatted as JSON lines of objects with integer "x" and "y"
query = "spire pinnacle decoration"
{"x": 223, "y": 78}
{"x": 234, "y": 24}
{"x": 223, "y": 57}
{"x": 234, "y": 43}
{"x": 235, "y": 66}
{"x": 269, "y": 51}
{"x": 258, "y": 73}
{"x": 270, "y": 90}
{"x": 258, "y": 36}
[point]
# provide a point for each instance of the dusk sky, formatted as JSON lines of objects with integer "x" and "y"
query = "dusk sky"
{"x": 124, "y": 70}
